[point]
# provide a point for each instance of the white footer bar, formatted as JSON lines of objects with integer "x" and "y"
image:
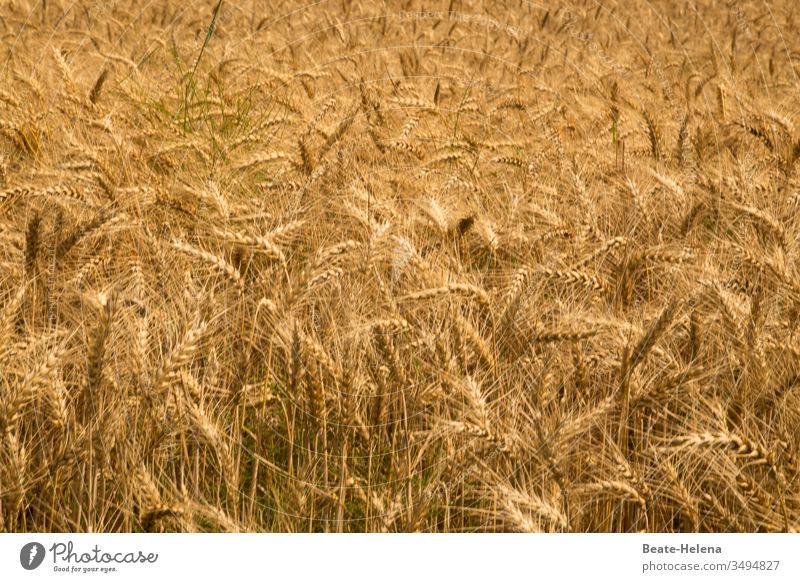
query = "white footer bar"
{"x": 401, "y": 557}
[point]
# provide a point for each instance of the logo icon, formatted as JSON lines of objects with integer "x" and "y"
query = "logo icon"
{"x": 31, "y": 555}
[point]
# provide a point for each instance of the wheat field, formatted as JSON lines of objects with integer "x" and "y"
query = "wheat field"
{"x": 448, "y": 266}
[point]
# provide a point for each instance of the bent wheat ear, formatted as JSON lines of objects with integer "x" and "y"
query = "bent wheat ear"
{"x": 259, "y": 243}
{"x": 32, "y": 244}
{"x": 214, "y": 260}
{"x": 40, "y": 376}
{"x": 613, "y": 488}
{"x": 652, "y": 335}
{"x": 454, "y": 288}
{"x": 180, "y": 356}
{"x": 724, "y": 441}
{"x": 575, "y": 276}
{"x": 98, "y": 347}
{"x": 94, "y": 94}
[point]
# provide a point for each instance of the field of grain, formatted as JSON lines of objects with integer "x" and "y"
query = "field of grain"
{"x": 445, "y": 266}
